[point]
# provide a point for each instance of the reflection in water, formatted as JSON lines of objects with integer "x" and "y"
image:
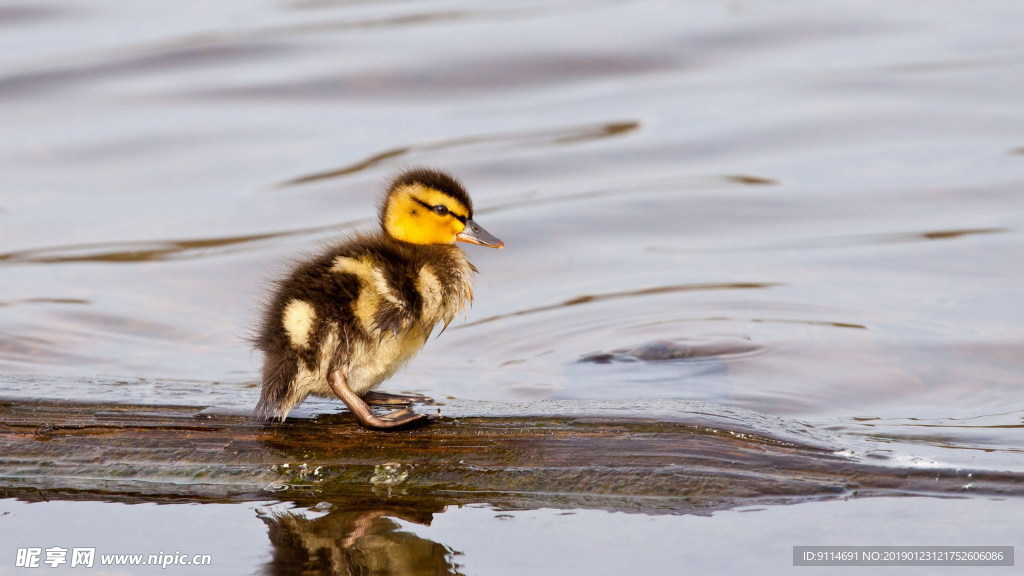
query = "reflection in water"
{"x": 353, "y": 539}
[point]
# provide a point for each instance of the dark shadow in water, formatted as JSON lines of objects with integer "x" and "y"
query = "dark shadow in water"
{"x": 675, "y": 351}
{"x": 356, "y": 536}
{"x": 528, "y": 139}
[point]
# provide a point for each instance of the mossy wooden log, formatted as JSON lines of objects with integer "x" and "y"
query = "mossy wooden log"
{"x": 51, "y": 449}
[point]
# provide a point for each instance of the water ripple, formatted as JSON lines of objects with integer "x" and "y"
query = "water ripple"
{"x": 589, "y": 298}
{"x": 34, "y": 13}
{"x": 138, "y": 61}
{"x": 526, "y": 140}
{"x": 154, "y": 251}
{"x": 829, "y": 242}
{"x": 45, "y": 301}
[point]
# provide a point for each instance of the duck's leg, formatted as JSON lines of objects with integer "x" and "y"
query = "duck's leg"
{"x": 361, "y": 409}
{"x": 375, "y": 398}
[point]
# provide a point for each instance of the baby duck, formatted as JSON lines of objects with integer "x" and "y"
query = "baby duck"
{"x": 346, "y": 320}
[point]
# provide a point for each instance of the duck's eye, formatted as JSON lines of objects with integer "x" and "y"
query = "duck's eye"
{"x": 440, "y": 210}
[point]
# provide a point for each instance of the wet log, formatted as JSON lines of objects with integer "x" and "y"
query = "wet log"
{"x": 52, "y": 449}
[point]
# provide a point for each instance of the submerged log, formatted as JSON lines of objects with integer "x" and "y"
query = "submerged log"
{"x": 59, "y": 450}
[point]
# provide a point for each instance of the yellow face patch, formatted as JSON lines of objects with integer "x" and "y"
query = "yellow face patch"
{"x": 423, "y": 215}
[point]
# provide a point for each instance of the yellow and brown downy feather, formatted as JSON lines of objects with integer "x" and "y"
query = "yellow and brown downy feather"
{"x": 362, "y": 309}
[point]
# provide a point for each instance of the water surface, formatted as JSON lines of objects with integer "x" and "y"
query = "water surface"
{"x": 810, "y": 211}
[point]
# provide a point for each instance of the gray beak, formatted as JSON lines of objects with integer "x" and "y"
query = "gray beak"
{"x": 475, "y": 234}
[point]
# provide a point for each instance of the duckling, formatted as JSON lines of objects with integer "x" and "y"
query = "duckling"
{"x": 346, "y": 320}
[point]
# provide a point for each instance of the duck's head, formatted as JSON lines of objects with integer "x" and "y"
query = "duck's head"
{"x": 428, "y": 207}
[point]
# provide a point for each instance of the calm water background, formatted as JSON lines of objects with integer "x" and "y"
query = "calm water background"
{"x": 830, "y": 196}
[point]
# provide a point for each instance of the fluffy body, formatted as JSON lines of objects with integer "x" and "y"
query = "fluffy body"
{"x": 344, "y": 321}
{"x": 364, "y": 307}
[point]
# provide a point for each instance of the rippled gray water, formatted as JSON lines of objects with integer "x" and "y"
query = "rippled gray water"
{"x": 811, "y": 210}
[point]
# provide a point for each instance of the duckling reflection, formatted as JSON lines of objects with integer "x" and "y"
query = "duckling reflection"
{"x": 350, "y": 541}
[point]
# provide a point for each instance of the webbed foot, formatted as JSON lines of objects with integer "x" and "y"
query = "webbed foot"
{"x": 397, "y": 419}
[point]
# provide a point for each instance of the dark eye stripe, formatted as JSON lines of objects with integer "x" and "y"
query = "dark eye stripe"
{"x": 441, "y": 210}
